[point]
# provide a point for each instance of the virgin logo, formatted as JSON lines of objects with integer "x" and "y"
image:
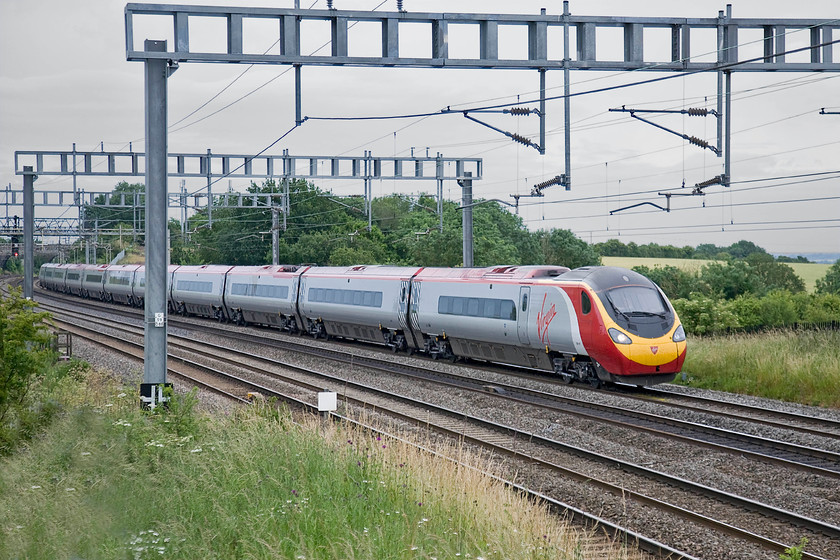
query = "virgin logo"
{"x": 544, "y": 319}
{"x": 654, "y": 349}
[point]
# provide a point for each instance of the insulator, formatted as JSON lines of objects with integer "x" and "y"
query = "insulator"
{"x": 399, "y": 5}
{"x": 697, "y": 112}
{"x": 329, "y": 4}
{"x": 521, "y": 139}
{"x": 520, "y": 111}
{"x": 698, "y": 142}
{"x": 709, "y": 182}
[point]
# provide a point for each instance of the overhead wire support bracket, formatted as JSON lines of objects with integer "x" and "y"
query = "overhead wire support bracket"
{"x": 514, "y": 111}
{"x": 668, "y": 209}
{"x": 824, "y": 112}
{"x": 691, "y": 139}
{"x": 512, "y": 135}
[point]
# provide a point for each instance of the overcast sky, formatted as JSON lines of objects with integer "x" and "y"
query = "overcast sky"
{"x": 64, "y": 79}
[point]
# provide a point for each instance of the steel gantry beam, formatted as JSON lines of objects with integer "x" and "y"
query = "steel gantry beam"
{"x": 209, "y": 164}
{"x": 542, "y": 31}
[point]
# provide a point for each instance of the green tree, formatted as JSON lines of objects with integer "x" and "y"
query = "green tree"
{"x": 675, "y": 282}
{"x": 742, "y": 249}
{"x": 562, "y": 247}
{"x": 775, "y": 275}
{"x": 129, "y": 208}
{"x": 830, "y": 283}
{"x": 731, "y": 279}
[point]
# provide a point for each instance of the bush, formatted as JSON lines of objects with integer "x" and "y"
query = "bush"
{"x": 26, "y": 357}
{"x": 703, "y": 315}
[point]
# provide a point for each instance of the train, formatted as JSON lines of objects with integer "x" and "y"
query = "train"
{"x": 594, "y": 324}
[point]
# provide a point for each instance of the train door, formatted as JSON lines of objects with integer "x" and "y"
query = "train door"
{"x": 522, "y": 314}
{"x": 405, "y": 303}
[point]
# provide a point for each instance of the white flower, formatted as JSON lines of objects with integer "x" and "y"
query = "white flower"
{"x": 69, "y": 489}
{"x": 85, "y": 453}
{"x": 196, "y": 450}
{"x": 36, "y": 487}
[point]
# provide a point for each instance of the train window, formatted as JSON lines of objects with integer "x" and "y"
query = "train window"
{"x": 493, "y": 308}
{"x": 524, "y": 302}
{"x": 508, "y": 310}
{"x": 585, "y": 303}
{"x": 489, "y": 308}
{"x": 473, "y": 307}
{"x": 346, "y": 297}
{"x": 195, "y": 286}
{"x": 402, "y": 294}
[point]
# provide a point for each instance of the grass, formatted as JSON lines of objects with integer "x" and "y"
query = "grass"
{"x": 809, "y": 272}
{"x": 107, "y": 481}
{"x": 795, "y": 366}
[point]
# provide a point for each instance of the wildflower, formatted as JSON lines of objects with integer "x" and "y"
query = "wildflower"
{"x": 69, "y": 489}
{"x": 350, "y": 441}
{"x": 85, "y": 453}
{"x": 196, "y": 450}
{"x": 36, "y": 487}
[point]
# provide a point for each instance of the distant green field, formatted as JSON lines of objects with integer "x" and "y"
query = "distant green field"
{"x": 809, "y": 273}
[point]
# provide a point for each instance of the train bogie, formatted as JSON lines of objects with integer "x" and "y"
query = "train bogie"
{"x": 264, "y": 295}
{"x": 199, "y": 290}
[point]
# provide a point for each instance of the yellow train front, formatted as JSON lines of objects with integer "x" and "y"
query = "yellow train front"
{"x": 628, "y": 327}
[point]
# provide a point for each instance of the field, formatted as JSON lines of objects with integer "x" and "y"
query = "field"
{"x": 795, "y": 366}
{"x": 107, "y": 481}
{"x": 809, "y": 272}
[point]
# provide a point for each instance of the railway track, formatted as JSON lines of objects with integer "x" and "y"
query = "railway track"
{"x": 662, "y": 493}
{"x": 810, "y": 459}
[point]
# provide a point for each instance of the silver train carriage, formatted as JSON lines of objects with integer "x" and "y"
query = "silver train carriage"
{"x": 486, "y": 314}
{"x": 199, "y": 290}
{"x": 119, "y": 282}
{"x": 358, "y": 302}
{"x": 264, "y": 295}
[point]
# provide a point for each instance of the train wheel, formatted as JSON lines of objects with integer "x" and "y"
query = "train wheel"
{"x": 594, "y": 382}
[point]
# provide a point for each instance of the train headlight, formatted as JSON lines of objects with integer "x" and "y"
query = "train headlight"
{"x": 679, "y": 334}
{"x": 619, "y": 337}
